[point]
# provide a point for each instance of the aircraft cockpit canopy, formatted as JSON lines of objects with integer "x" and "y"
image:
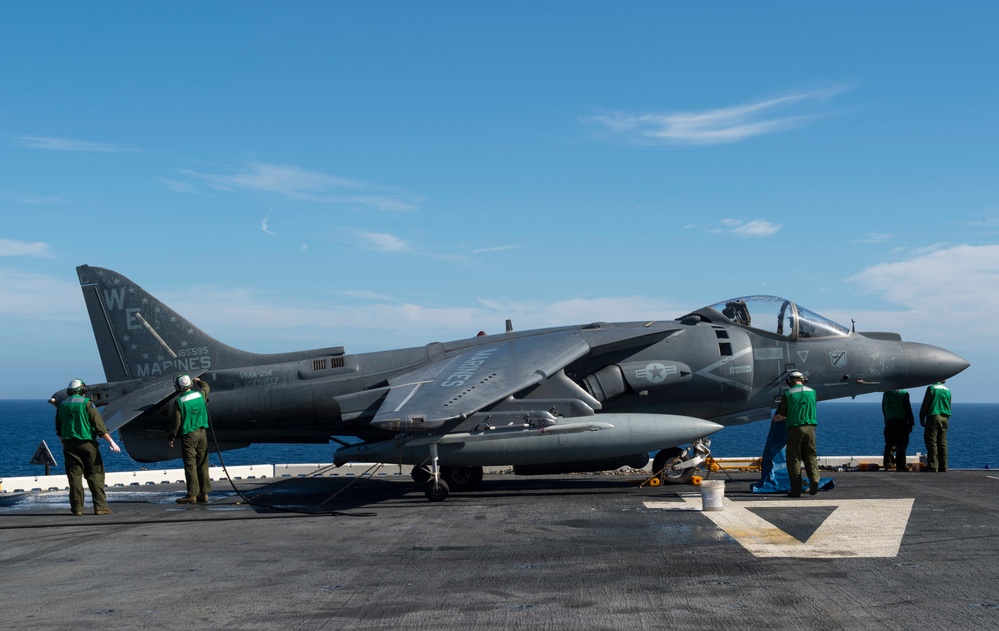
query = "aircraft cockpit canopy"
{"x": 774, "y": 315}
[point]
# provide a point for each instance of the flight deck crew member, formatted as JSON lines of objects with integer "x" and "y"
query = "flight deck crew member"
{"x": 897, "y": 411}
{"x": 797, "y": 410}
{"x": 79, "y": 425}
{"x": 934, "y": 416}
{"x": 190, "y": 423}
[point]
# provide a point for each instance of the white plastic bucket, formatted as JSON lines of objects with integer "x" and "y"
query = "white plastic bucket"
{"x": 712, "y": 494}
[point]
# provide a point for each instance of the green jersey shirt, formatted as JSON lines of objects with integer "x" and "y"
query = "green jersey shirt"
{"x": 936, "y": 402}
{"x": 895, "y": 405}
{"x": 76, "y": 417}
{"x": 193, "y": 412}
{"x": 798, "y": 406}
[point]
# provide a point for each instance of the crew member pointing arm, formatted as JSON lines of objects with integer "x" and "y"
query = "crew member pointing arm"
{"x": 79, "y": 424}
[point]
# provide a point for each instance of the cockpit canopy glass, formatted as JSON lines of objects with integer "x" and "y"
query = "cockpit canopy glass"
{"x": 779, "y": 316}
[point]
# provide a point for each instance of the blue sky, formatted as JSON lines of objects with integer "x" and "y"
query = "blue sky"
{"x": 377, "y": 175}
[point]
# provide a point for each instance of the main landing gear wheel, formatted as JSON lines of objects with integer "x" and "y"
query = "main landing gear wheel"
{"x": 663, "y": 463}
{"x": 437, "y": 491}
{"x": 462, "y": 479}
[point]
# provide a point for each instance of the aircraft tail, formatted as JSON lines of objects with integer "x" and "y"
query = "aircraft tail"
{"x": 139, "y": 337}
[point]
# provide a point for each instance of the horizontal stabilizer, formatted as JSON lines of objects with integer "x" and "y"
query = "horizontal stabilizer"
{"x": 125, "y": 409}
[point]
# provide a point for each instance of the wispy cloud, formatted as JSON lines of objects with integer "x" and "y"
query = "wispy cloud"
{"x": 30, "y": 200}
{"x": 390, "y": 243}
{"x": 875, "y": 237}
{"x": 22, "y": 248}
{"x": 961, "y": 276}
{"x": 296, "y": 183}
{"x": 383, "y": 242}
{"x": 279, "y": 178}
{"x": 39, "y": 297}
{"x": 53, "y": 143}
{"x": 499, "y": 248}
{"x": 365, "y": 294}
{"x": 942, "y": 291}
{"x": 264, "y": 227}
{"x": 584, "y": 310}
{"x": 714, "y": 126}
{"x": 757, "y": 228}
{"x": 178, "y": 186}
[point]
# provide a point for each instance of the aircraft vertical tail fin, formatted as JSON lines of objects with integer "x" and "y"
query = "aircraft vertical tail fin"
{"x": 138, "y": 336}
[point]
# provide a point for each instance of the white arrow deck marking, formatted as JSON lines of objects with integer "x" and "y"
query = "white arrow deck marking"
{"x": 855, "y": 529}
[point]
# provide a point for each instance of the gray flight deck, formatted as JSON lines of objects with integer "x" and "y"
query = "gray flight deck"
{"x": 883, "y": 550}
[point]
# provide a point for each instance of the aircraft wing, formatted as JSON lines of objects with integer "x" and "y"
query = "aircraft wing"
{"x": 458, "y": 386}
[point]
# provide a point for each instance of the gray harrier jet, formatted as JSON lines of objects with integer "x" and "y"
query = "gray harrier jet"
{"x": 572, "y": 398}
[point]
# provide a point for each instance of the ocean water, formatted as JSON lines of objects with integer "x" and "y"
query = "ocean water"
{"x": 845, "y": 429}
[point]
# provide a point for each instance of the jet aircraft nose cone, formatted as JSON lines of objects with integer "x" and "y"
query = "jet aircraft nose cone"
{"x": 929, "y": 364}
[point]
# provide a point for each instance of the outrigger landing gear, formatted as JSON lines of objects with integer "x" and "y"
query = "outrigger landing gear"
{"x": 437, "y": 490}
{"x": 676, "y": 466}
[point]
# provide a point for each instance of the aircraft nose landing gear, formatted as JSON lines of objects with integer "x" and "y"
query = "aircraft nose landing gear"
{"x": 676, "y": 466}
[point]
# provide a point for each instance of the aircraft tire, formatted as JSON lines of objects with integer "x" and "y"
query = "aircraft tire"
{"x": 462, "y": 479}
{"x": 437, "y": 491}
{"x": 420, "y": 474}
{"x": 665, "y": 459}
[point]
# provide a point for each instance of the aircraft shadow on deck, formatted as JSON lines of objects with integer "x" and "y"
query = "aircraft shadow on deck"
{"x": 339, "y": 494}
